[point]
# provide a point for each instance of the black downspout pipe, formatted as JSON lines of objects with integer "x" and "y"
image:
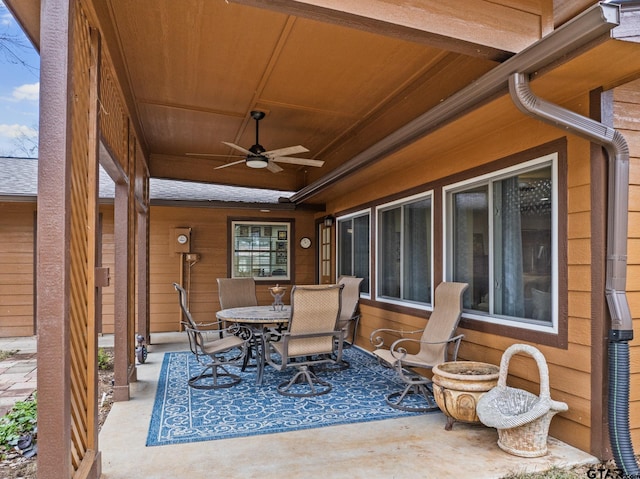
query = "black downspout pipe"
{"x": 615, "y": 289}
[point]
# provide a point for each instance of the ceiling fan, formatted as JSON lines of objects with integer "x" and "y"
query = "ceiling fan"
{"x": 258, "y": 157}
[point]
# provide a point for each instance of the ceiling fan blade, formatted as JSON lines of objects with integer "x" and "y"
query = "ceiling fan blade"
{"x": 211, "y": 155}
{"x": 239, "y": 148}
{"x": 298, "y": 161}
{"x": 273, "y": 168}
{"x": 290, "y": 150}
{"x": 229, "y": 164}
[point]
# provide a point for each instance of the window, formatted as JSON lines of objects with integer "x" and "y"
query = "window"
{"x": 261, "y": 250}
{"x": 501, "y": 239}
{"x": 353, "y": 247}
{"x": 404, "y": 251}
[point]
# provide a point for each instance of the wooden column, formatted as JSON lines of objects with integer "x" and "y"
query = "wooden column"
{"x": 122, "y": 339}
{"x": 142, "y": 260}
{"x": 53, "y": 255}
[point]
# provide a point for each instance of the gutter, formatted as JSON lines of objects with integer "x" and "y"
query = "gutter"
{"x": 615, "y": 284}
{"x": 590, "y": 25}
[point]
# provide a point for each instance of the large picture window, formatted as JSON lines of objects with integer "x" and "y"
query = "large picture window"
{"x": 353, "y": 247}
{"x": 501, "y": 239}
{"x": 404, "y": 251}
{"x": 261, "y": 250}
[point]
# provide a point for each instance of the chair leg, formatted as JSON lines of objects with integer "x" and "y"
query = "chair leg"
{"x": 304, "y": 376}
{"x": 413, "y": 389}
{"x": 218, "y": 380}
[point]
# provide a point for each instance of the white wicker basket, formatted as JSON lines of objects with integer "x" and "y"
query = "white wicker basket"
{"x": 521, "y": 418}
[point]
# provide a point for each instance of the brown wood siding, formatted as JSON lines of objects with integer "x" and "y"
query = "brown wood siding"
{"x": 570, "y": 365}
{"x": 16, "y": 269}
{"x": 627, "y": 121}
{"x": 209, "y": 237}
{"x": 209, "y": 240}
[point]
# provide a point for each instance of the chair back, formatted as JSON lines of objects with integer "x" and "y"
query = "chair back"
{"x": 196, "y": 340}
{"x": 237, "y": 292}
{"x": 443, "y": 322}
{"x": 350, "y": 298}
{"x": 182, "y": 297}
{"x": 314, "y": 309}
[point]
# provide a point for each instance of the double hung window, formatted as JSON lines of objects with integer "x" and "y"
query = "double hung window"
{"x": 404, "y": 251}
{"x": 501, "y": 239}
{"x": 353, "y": 247}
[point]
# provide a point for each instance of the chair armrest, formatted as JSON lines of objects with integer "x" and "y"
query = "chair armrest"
{"x": 208, "y": 326}
{"x": 234, "y": 329}
{"x": 378, "y": 341}
{"x": 398, "y": 351}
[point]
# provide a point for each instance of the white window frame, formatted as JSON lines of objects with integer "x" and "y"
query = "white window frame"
{"x": 351, "y": 216}
{"x": 447, "y": 194}
{"x": 390, "y": 205}
{"x": 261, "y": 224}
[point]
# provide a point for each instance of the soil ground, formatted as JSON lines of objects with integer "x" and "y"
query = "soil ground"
{"x": 15, "y": 466}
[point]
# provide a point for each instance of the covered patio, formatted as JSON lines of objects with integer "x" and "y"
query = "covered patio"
{"x": 416, "y": 446}
{"x": 424, "y": 124}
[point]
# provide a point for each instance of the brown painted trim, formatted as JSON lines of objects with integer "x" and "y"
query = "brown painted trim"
{"x": 601, "y": 108}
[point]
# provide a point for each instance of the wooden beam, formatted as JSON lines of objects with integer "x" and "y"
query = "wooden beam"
{"x": 482, "y": 28}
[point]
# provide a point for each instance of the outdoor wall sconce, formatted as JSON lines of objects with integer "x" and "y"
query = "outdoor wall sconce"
{"x": 328, "y": 221}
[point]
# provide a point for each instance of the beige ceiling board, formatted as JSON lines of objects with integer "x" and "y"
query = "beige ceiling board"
{"x": 448, "y": 76}
{"x": 28, "y": 14}
{"x": 284, "y": 126}
{"x": 180, "y": 131}
{"x": 564, "y": 10}
{"x": 620, "y": 64}
{"x": 320, "y": 66}
{"x": 483, "y": 28}
{"x": 185, "y": 52}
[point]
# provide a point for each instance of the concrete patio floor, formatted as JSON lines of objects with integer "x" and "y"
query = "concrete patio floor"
{"x": 413, "y": 447}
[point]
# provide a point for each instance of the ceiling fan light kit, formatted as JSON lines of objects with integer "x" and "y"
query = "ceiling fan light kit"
{"x": 258, "y": 157}
{"x": 257, "y": 162}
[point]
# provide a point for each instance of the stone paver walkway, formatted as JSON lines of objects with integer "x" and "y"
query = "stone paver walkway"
{"x": 17, "y": 379}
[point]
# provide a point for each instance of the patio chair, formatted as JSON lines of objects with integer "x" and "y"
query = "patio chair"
{"x": 349, "y": 314}
{"x": 226, "y": 347}
{"x": 309, "y": 339}
{"x": 436, "y": 345}
{"x": 237, "y": 292}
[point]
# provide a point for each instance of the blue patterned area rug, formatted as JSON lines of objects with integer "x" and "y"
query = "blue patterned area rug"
{"x": 183, "y": 414}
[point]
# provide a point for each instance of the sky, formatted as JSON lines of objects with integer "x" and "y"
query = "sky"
{"x": 19, "y": 89}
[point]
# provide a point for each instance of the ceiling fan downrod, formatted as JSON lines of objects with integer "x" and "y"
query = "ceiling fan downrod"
{"x": 257, "y": 160}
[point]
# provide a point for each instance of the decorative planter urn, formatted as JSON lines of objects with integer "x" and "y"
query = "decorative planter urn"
{"x": 457, "y": 386}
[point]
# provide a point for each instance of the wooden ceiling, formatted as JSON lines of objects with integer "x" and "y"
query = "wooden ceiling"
{"x": 335, "y": 76}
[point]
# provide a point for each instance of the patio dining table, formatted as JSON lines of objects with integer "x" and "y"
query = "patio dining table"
{"x": 257, "y": 318}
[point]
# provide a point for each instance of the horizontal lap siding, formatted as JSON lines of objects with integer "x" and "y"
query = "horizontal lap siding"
{"x": 209, "y": 238}
{"x": 16, "y": 269}
{"x": 627, "y": 120}
{"x": 570, "y": 369}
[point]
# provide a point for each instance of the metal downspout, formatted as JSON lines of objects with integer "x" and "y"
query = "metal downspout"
{"x": 615, "y": 288}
